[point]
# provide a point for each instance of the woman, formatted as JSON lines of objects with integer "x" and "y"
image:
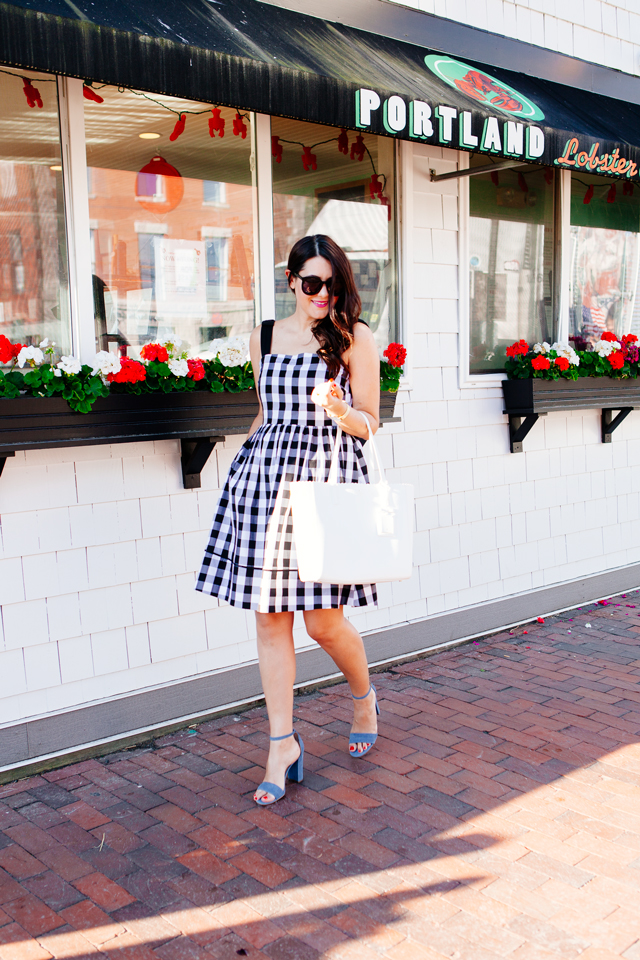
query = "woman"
{"x": 314, "y": 369}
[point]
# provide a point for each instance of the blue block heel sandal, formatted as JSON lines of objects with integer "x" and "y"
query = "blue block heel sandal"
{"x": 368, "y": 738}
{"x": 295, "y": 772}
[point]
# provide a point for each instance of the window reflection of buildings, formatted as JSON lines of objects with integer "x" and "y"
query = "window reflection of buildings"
{"x": 126, "y": 252}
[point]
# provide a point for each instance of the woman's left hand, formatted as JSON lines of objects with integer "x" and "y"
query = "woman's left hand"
{"x": 330, "y": 396}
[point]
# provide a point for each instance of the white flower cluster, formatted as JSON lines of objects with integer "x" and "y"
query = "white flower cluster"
{"x": 31, "y": 355}
{"x": 541, "y": 348}
{"x": 171, "y": 345}
{"x": 68, "y": 365}
{"x": 179, "y": 368}
{"x": 231, "y": 351}
{"x": 105, "y": 363}
{"x": 602, "y": 347}
{"x": 566, "y": 350}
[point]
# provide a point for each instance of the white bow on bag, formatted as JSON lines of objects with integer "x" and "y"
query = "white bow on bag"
{"x": 353, "y": 533}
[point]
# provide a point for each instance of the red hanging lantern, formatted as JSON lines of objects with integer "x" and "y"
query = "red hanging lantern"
{"x": 522, "y": 183}
{"x": 239, "y": 126}
{"x": 276, "y": 149}
{"x": 31, "y": 93}
{"x": 358, "y": 148}
{"x": 89, "y": 94}
{"x": 588, "y": 197}
{"x": 611, "y": 196}
{"x": 309, "y": 160}
{"x": 179, "y": 127}
{"x": 159, "y": 195}
{"x": 216, "y": 123}
{"x": 375, "y": 187}
{"x": 495, "y": 180}
{"x": 343, "y": 142}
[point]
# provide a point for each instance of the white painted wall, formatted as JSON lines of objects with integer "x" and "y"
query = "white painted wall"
{"x": 100, "y": 545}
{"x": 596, "y": 30}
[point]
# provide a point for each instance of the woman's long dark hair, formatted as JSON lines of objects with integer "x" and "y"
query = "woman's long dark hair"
{"x": 334, "y": 332}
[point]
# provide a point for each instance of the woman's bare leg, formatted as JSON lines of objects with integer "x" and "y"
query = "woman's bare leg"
{"x": 340, "y": 639}
{"x": 276, "y": 656}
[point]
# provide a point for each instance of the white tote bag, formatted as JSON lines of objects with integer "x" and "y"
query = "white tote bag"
{"x": 353, "y": 532}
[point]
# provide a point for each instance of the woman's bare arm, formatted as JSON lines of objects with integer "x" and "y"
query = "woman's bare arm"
{"x": 364, "y": 379}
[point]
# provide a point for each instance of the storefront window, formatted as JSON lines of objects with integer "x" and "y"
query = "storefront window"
{"x": 172, "y": 227}
{"x": 605, "y": 226}
{"x": 510, "y": 261}
{"x": 34, "y": 286}
{"x": 336, "y": 195}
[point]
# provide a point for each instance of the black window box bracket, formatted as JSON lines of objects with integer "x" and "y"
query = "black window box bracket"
{"x": 525, "y": 401}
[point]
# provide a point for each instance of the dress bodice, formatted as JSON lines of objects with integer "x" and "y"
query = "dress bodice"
{"x": 286, "y": 384}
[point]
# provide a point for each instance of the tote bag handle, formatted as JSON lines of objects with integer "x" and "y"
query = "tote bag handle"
{"x": 335, "y": 456}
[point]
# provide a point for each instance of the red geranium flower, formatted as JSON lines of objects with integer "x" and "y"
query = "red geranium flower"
{"x": 629, "y": 338}
{"x": 130, "y": 372}
{"x": 517, "y": 348}
{"x": 562, "y": 362}
{"x": 611, "y": 337}
{"x": 616, "y": 359}
{"x": 196, "y": 369}
{"x": 541, "y": 363}
{"x": 395, "y": 354}
{"x": 154, "y": 351}
{"x": 8, "y": 351}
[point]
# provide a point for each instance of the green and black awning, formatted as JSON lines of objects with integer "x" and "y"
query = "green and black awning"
{"x": 255, "y": 56}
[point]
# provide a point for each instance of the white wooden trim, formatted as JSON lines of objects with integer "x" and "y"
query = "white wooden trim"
{"x": 464, "y": 377}
{"x": 564, "y": 263}
{"x": 264, "y": 254}
{"x": 76, "y": 197}
{"x": 404, "y": 255}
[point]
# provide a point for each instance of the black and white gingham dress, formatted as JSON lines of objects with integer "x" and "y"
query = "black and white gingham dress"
{"x": 250, "y": 559}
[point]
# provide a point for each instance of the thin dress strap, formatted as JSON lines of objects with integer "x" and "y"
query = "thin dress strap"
{"x": 266, "y": 336}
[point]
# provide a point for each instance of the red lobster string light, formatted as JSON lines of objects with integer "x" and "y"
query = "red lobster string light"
{"x": 611, "y": 196}
{"x": 216, "y": 123}
{"x": 522, "y": 183}
{"x": 239, "y": 126}
{"x": 358, "y": 148}
{"x": 343, "y": 142}
{"x": 89, "y": 94}
{"x": 31, "y": 93}
{"x": 276, "y": 149}
{"x": 588, "y": 197}
{"x": 375, "y": 187}
{"x": 309, "y": 159}
{"x": 178, "y": 130}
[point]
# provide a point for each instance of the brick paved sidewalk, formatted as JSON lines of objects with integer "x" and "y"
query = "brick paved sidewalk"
{"x": 498, "y": 816}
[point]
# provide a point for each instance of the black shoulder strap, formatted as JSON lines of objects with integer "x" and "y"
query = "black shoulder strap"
{"x": 266, "y": 335}
{"x": 360, "y": 320}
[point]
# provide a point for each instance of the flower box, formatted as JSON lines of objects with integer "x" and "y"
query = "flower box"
{"x": 199, "y": 419}
{"x": 526, "y": 400}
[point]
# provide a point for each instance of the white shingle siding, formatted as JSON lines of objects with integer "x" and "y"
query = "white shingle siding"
{"x": 594, "y": 30}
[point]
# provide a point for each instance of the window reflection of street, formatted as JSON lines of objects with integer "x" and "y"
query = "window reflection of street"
{"x": 336, "y": 200}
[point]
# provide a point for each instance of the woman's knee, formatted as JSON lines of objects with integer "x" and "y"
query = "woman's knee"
{"x": 274, "y": 629}
{"x": 322, "y": 625}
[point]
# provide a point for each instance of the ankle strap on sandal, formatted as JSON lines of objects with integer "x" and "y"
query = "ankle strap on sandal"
{"x": 365, "y": 696}
{"x": 285, "y": 737}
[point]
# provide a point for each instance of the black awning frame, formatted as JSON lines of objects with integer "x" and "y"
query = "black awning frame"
{"x": 297, "y": 83}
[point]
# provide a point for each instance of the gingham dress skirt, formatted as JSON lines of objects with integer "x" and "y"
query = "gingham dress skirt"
{"x": 250, "y": 560}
